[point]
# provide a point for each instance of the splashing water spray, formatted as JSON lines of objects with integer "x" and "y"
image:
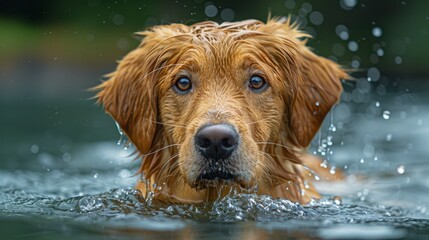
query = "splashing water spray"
{"x": 122, "y": 138}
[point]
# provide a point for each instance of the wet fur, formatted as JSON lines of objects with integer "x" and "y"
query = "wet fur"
{"x": 275, "y": 126}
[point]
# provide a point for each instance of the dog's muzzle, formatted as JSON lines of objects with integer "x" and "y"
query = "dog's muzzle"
{"x": 216, "y": 143}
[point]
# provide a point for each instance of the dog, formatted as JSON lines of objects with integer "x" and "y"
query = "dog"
{"x": 213, "y": 107}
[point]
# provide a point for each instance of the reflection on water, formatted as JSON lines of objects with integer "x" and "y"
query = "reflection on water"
{"x": 381, "y": 145}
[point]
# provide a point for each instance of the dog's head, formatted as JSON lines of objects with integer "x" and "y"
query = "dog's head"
{"x": 226, "y": 103}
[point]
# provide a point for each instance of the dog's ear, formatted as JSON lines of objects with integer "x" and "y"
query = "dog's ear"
{"x": 130, "y": 93}
{"x": 317, "y": 91}
{"x": 314, "y": 82}
{"x": 129, "y": 97}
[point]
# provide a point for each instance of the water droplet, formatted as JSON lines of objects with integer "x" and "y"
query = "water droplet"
{"x": 118, "y": 19}
{"x": 355, "y": 64}
{"x": 374, "y": 74}
{"x": 353, "y": 46}
{"x": 332, "y": 128}
{"x": 290, "y": 4}
{"x": 377, "y": 32}
{"x": 362, "y": 160}
{"x": 344, "y": 35}
{"x": 386, "y": 115}
{"x": 342, "y": 32}
{"x": 317, "y": 103}
{"x": 337, "y": 200}
{"x": 348, "y": 4}
{"x": 316, "y": 18}
{"x": 398, "y": 60}
{"x": 210, "y": 11}
{"x": 377, "y": 104}
{"x": 127, "y": 145}
{"x": 227, "y": 14}
{"x": 306, "y": 185}
{"x": 401, "y": 169}
{"x": 120, "y": 133}
{"x": 329, "y": 141}
{"x": 95, "y": 176}
{"x": 389, "y": 137}
{"x": 34, "y": 149}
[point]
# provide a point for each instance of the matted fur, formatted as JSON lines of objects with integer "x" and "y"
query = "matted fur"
{"x": 275, "y": 126}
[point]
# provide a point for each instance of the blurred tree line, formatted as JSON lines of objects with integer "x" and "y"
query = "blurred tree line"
{"x": 95, "y": 33}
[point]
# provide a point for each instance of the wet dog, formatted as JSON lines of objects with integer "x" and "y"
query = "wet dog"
{"x": 212, "y": 107}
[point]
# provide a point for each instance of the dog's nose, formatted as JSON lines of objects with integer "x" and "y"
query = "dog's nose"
{"x": 216, "y": 141}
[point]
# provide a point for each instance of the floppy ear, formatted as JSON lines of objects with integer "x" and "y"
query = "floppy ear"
{"x": 318, "y": 89}
{"x": 314, "y": 80}
{"x": 130, "y": 93}
{"x": 129, "y": 97}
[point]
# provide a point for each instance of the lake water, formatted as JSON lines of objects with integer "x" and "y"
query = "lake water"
{"x": 62, "y": 175}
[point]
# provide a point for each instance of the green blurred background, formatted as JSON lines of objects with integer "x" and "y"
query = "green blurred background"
{"x": 52, "y": 51}
{"x": 54, "y": 48}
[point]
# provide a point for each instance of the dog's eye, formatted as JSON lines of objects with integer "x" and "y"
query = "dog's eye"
{"x": 183, "y": 85}
{"x": 257, "y": 84}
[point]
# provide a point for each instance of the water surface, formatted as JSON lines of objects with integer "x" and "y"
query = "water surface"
{"x": 63, "y": 175}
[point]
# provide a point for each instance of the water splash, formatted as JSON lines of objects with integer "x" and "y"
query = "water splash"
{"x": 122, "y": 138}
{"x": 121, "y": 134}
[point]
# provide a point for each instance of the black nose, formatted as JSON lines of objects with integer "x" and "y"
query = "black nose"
{"x": 216, "y": 141}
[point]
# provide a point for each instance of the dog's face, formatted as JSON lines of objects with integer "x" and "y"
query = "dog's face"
{"x": 225, "y": 102}
{"x": 222, "y": 109}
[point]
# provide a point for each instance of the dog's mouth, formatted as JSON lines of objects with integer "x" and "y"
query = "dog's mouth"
{"x": 215, "y": 177}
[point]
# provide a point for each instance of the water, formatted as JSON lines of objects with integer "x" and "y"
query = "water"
{"x": 72, "y": 180}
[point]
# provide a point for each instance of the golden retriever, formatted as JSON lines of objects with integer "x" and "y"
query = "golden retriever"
{"x": 213, "y": 107}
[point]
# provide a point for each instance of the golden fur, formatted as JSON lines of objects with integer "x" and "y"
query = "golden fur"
{"x": 275, "y": 126}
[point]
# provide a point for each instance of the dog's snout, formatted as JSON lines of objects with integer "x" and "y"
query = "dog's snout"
{"x": 216, "y": 141}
